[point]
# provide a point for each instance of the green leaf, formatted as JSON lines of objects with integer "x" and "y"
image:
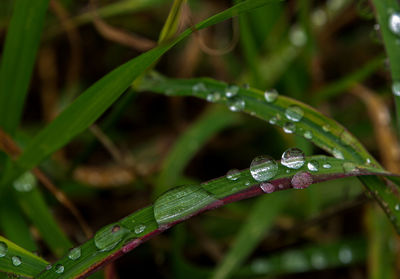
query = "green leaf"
{"x": 22, "y": 42}
{"x": 181, "y": 203}
{"x": 17, "y": 260}
{"x": 91, "y": 104}
{"x": 171, "y": 25}
{"x": 314, "y": 126}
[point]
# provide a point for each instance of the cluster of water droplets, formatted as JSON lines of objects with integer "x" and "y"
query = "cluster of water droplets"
{"x": 25, "y": 183}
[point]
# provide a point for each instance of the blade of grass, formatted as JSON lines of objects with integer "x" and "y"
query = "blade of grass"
{"x": 210, "y": 123}
{"x": 384, "y": 10}
{"x": 21, "y": 45}
{"x": 94, "y": 101}
{"x": 171, "y": 25}
{"x": 15, "y": 259}
{"x": 116, "y": 239}
{"x": 315, "y": 127}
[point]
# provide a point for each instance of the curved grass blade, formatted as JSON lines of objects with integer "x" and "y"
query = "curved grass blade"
{"x": 181, "y": 203}
{"x": 311, "y": 124}
{"x": 171, "y": 25}
{"x": 210, "y": 123}
{"x": 15, "y": 259}
{"x": 91, "y": 104}
{"x": 22, "y": 42}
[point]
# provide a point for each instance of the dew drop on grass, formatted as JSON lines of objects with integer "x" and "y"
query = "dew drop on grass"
{"x": 59, "y": 268}
{"x": 394, "y": 23}
{"x": 75, "y": 253}
{"x": 293, "y": 158}
{"x": 308, "y": 135}
{"x": 263, "y": 168}
{"x": 199, "y": 87}
{"x": 233, "y": 174}
{"x": 267, "y": 187}
{"x": 236, "y": 104}
{"x": 302, "y": 180}
{"x": 337, "y": 153}
{"x": 181, "y": 202}
{"x": 326, "y": 165}
{"x": 25, "y": 183}
{"x": 231, "y": 91}
{"x": 397, "y": 207}
{"x": 213, "y": 97}
{"x": 271, "y": 95}
{"x": 139, "y": 228}
{"x": 16, "y": 260}
{"x": 396, "y": 88}
{"x": 294, "y": 113}
{"x": 108, "y": 237}
{"x": 345, "y": 255}
{"x": 289, "y": 128}
{"x": 3, "y": 249}
{"x": 273, "y": 120}
{"x": 313, "y": 165}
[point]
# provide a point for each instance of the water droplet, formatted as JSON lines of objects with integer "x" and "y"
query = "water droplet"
{"x": 318, "y": 260}
{"x": 289, "y": 128}
{"x": 327, "y": 165}
{"x": 294, "y": 113}
{"x": 308, "y": 135}
{"x": 247, "y": 183}
{"x": 297, "y": 36}
{"x": 139, "y": 228}
{"x": 231, "y": 91}
{"x": 236, "y": 104}
{"x": 326, "y": 128}
{"x": 345, "y": 255}
{"x": 263, "y": 168}
{"x": 180, "y": 203}
{"x": 3, "y": 249}
{"x": 293, "y": 158}
{"x": 75, "y": 253}
{"x": 313, "y": 165}
{"x": 25, "y": 182}
{"x": 396, "y": 88}
{"x": 213, "y": 97}
{"x": 271, "y": 95}
{"x": 267, "y": 187}
{"x": 394, "y": 23}
{"x": 302, "y": 180}
{"x": 16, "y": 260}
{"x": 273, "y": 120}
{"x": 108, "y": 237}
{"x": 199, "y": 88}
{"x": 349, "y": 167}
{"x": 337, "y": 153}
{"x": 59, "y": 268}
{"x": 397, "y": 207}
{"x": 233, "y": 174}
{"x": 368, "y": 161}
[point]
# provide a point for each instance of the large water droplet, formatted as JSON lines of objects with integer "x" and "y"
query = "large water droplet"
{"x": 231, "y": 91}
{"x": 59, "y": 268}
{"x": 16, "y": 260}
{"x": 108, "y": 237}
{"x": 25, "y": 182}
{"x": 394, "y": 23}
{"x": 308, "y": 135}
{"x": 289, "y": 128}
{"x": 233, "y": 174}
{"x": 271, "y": 95}
{"x": 302, "y": 180}
{"x": 396, "y": 88}
{"x": 213, "y": 97}
{"x": 313, "y": 165}
{"x": 294, "y": 113}
{"x": 180, "y": 203}
{"x": 139, "y": 228}
{"x": 236, "y": 104}
{"x": 3, "y": 249}
{"x": 345, "y": 255}
{"x": 263, "y": 168}
{"x": 75, "y": 253}
{"x": 293, "y": 158}
{"x": 267, "y": 187}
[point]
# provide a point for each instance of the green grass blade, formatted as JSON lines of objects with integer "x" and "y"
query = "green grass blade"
{"x": 91, "y": 104}
{"x": 15, "y": 259}
{"x": 171, "y": 25}
{"x": 118, "y": 238}
{"x": 22, "y": 42}
{"x": 32, "y": 203}
{"x": 210, "y": 123}
{"x": 314, "y": 126}
{"x": 260, "y": 219}
{"x": 384, "y": 10}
